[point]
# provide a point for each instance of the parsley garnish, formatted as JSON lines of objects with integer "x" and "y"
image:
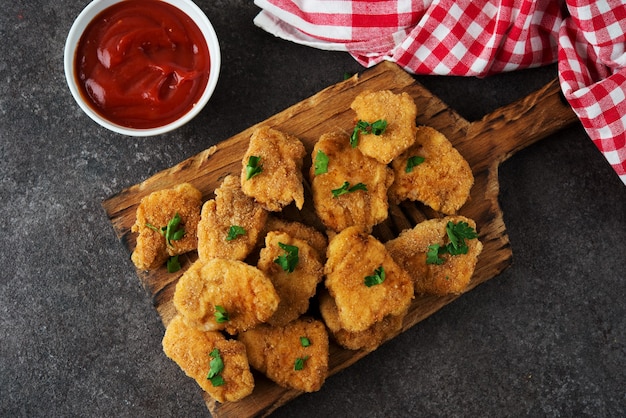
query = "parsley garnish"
{"x": 171, "y": 231}
{"x": 216, "y": 365}
{"x": 321, "y": 163}
{"x": 299, "y": 364}
{"x": 376, "y": 128}
{"x": 377, "y": 278}
{"x": 457, "y": 234}
{"x": 345, "y": 188}
{"x": 221, "y": 315}
{"x": 234, "y": 231}
{"x": 413, "y": 161}
{"x": 289, "y": 260}
{"x": 305, "y": 342}
{"x": 173, "y": 265}
{"x": 253, "y": 167}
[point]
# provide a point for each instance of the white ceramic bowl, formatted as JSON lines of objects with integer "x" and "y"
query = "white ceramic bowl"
{"x": 73, "y": 38}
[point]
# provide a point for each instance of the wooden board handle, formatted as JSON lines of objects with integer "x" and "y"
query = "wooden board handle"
{"x": 514, "y": 127}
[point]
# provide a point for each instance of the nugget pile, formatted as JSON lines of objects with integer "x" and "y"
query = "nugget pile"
{"x": 269, "y": 294}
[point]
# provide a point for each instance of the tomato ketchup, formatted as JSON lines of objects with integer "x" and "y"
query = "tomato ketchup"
{"x": 142, "y": 63}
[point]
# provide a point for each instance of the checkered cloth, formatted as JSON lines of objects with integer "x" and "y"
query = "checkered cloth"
{"x": 478, "y": 38}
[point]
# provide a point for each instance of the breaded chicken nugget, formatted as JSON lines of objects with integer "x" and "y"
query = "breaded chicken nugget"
{"x": 154, "y": 213}
{"x": 398, "y": 110}
{"x": 442, "y": 181}
{"x": 193, "y": 350}
{"x": 369, "y": 339}
{"x": 272, "y": 169}
{"x": 231, "y": 224}
{"x": 293, "y": 356}
{"x": 353, "y": 188}
{"x": 454, "y": 273}
{"x": 225, "y": 295}
{"x": 296, "y": 287}
{"x": 307, "y": 233}
{"x": 363, "y": 279}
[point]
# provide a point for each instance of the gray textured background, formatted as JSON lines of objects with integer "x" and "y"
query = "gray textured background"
{"x": 79, "y": 336}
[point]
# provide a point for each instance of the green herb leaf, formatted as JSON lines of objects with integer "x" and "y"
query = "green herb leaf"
{"x": 299, "y": 364}
{"x": 377, "y": 278}
{"x": 457, "y": 234}
{"x": 289, "y": 260}
{"x": 413, "y": 161}
{"x": 305, "y": 342}
{"x": 253, "y": 167}
{"x": 173, "y": 265}
{"x": 432, "y": 256}
{"x": 234, "y": 231}
{"x": 216, "y": 365}
{"x": 321, "y": 163}
{"x": 345, "y": 188}
{"x": 221, "y": 315}
{"x": 376, "y": 128}
{"x": 171, "y": 231}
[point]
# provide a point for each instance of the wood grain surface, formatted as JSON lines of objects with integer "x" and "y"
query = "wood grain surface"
{"x": 485, "y": 144}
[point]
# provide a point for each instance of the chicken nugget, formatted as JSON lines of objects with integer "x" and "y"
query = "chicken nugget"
{"x": 307, "y": 233}
{"x": 432, "y": 172}
{"x": 398, "y": 110}
{"x": 369, "y": 339}
{"x": 166, "y": 221}
{"x": 445, "y": 273}
{"x": 293, "y": 356}
{"x": 351, "y": 189}
{"x": 363, "y": 279}
{"x": 194, "y": 350}
{"x": 294, "y": 287}
{"x": 271, "y": 170}
{"x": 226, "y": 295}
{"x": 231, "y": 224}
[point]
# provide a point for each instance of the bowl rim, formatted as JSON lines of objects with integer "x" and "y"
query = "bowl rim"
{"x": 89, "y": 13}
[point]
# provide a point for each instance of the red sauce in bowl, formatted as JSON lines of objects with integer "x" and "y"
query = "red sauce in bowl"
{"x": 142, "y": 63}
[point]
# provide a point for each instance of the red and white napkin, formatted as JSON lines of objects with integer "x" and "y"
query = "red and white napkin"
{"x": 478, "y": 38}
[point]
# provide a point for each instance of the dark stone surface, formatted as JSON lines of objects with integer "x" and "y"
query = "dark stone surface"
{"x": 79, "y": 336}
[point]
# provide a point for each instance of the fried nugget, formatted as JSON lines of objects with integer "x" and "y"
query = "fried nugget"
{"x": 398, "y": 110}
{"x": 349, "y": 171}
{"x": 410, "y": 250}
{"x": 154, "y": 213}
{"x": 279, "y": 180}
{"x": 369, "y": 339}
{"x": 191, "y": 349}
{"x": 363, "y": 279}
{"x": 307, "y": 233}
{"x": 226, "y": 295}
{"x": 293, "y": 356}
{"x": 442, "y": 181}
{"x": 294, "y": 288}
{"x": 230, "y": 208}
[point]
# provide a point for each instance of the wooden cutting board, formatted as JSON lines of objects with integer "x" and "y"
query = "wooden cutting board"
{"x": 485, "y": 144}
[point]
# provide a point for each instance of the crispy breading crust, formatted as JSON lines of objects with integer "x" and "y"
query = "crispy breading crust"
{"x": 230, "y": 207}
{"x": 347, "y": 164}
{"x": 307, "y": 233}
{"x": 398, "y": 110}
{"x": 443, "y": 181}
{"x": 280, "y": 182}
{"x": 190, "y": 348}
{"x": 244, "y": 291}
{"x": 352, "y": 255}
{"x": 157, "y": 209}
{"x": 369, "y": 339}
{"x": 296, "y": 288}
{"x": 453, "y": 276}
{"x": 274, "y": 350}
